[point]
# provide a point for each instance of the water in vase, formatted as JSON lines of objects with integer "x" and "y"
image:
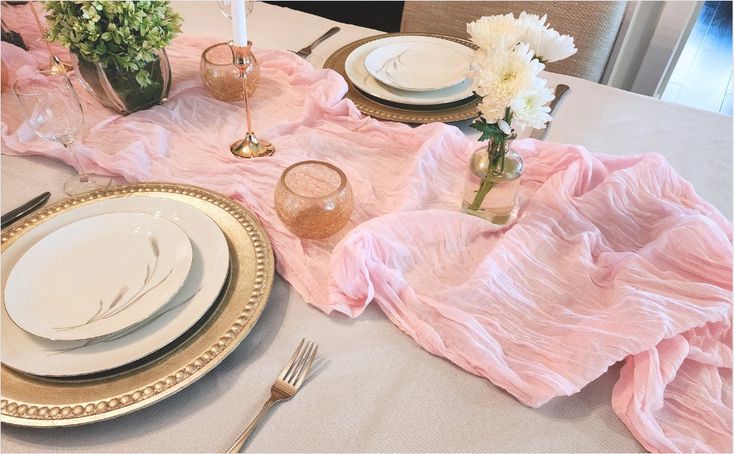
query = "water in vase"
{"x": 498, "y": 204}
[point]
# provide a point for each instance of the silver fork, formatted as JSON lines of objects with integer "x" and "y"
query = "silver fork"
{"x": 306, "y": 51}
{"x": 285, "y": 386}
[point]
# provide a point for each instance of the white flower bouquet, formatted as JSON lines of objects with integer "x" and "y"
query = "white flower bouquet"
{"x": 505, "y": 73}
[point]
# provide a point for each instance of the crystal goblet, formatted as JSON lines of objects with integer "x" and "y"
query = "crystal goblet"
{"x": 53, "y": 110}
{"x": 225, "y": 6}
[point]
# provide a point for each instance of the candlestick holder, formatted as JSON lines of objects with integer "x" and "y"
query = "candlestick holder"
{"x": 250, "y": 146}
{"x": 55, "y": 65}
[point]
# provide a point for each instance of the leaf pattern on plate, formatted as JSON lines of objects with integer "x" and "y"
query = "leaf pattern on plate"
{"x": 117, "y": 305}
{"x": 154, "y": 246}
{"x": 125, "y": 332}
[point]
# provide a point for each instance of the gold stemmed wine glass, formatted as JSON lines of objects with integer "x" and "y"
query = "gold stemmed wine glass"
{"x": 54, "y": 112}
{"x": 224, "y": 7}
{"x": 55, "y": 66}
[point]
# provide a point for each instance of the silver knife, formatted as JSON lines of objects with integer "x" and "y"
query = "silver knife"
{"x": 28, "y": 207}
{"x": 561, "y": 90}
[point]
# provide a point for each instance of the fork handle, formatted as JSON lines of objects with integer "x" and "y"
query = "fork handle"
{"x": 321, "y": 38}
{"x": 237, "y": 446}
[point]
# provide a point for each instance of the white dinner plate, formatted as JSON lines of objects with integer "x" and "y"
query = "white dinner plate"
{"x": 98, "y": 276}
{"x": 363, "y": 80}
{"x": 418, "y": 66}
{"x": 209, "y": 268}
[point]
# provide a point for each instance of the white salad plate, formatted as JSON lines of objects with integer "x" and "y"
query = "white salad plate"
{"x": 98, "y": 276}
{"x": 419, "y": 66}
{"x": 208, "y": 271}
{"x": 358, "y": 74}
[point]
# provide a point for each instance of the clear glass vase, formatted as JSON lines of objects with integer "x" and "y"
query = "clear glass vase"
{"x": 117, "y": 89}
{"x": 493, "y": 178}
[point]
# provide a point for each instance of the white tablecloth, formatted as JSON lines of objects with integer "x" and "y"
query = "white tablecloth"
{"x": 373, "y": 389}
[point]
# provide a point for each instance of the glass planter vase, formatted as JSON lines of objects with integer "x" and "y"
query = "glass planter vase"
{"x": 493, "y": 178}
{"x": 117, "y": 89}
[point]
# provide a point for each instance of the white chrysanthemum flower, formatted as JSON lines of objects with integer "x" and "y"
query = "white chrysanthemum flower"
{"x": 548, "y": 45}
{"x": 531, "y": 107}
{"x": 500, "y": 77}
{"x": 491, "y": 110}
{"x": 496, "y": 32}
{"x": 532, "y": 21}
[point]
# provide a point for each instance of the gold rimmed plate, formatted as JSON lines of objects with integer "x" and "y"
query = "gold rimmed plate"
{"x": 37, "y": 356}
{"x": 101, "y": 275}
{"x": 463, "y": 109}
{"x": 371, "y": 78}
{"x": 30, "y": 400}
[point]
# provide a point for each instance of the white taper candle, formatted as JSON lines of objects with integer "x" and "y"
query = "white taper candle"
{"x": 239, "y": 23}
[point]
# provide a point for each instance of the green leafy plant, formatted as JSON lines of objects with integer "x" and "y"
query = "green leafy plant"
{"x": 120, "y": 35}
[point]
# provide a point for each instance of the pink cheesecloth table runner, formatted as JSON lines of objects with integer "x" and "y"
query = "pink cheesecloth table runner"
{"x": 610, "y": 258}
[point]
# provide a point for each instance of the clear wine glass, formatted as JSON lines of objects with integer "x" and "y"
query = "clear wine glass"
{"x": 225, "y": 8}
{"x": 54, "y": 112}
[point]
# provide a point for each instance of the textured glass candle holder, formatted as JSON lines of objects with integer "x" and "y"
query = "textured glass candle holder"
{"x": 221, "y": 77}
{"x": 313, "y": 199}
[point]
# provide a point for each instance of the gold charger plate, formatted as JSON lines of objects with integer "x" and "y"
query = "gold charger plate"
{"x": 45, "y": 402}
{"x": 392, "y": 112}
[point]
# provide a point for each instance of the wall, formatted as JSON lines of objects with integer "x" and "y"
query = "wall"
{"x": 672, "y": 30}
{"x": 651, "y": 44}
{"x": 380, "y": 15}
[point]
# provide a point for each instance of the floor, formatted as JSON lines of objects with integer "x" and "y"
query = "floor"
{"x": 702, "y": 76}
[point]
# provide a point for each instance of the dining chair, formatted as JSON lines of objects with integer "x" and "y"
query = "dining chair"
{"x": 594, "y": 26}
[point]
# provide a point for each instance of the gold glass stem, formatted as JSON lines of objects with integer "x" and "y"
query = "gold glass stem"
{"x": 248, "y": 116}
{"x": 250, "y": 146}
{"x": 40, "y": 28}
{"x": 55, "y": 66}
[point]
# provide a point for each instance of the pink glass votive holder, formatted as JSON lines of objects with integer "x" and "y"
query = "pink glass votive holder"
{"x": 220, "y": 76}
{"x": 313, "y": 199}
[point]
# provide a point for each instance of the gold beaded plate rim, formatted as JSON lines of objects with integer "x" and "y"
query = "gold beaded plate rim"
{"x": 381, "y": 111}
{"x": 39, "y": 402}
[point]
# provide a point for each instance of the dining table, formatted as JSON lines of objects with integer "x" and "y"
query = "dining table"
{"x": 372, "y": 387}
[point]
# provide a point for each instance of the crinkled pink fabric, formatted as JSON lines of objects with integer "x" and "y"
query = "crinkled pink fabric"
{"x": 609, "y": 259}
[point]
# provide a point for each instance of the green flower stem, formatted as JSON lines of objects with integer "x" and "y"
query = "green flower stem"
{"x": 497, "y": 156}
{"x": 496, "y": 153}
{"x": 482, "y": 192}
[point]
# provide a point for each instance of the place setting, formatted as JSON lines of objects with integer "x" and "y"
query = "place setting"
{"x": 413, "y": 78}
{"x": 154, "y": 270}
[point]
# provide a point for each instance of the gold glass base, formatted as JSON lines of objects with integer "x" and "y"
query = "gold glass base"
{"x": 251, "y": 147}
{"x": 56, "y": 66}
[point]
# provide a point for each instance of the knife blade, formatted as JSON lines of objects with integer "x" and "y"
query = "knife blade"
{"x": 23, "y": 210}
{"x": 561, "y": 90}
